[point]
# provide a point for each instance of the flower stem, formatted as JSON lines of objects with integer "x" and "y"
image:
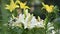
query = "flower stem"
{"x": 46, "y": 22}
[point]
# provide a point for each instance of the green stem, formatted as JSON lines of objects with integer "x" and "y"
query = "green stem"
{"x": 24, "y": 13}
{"x": 46, "y": 22}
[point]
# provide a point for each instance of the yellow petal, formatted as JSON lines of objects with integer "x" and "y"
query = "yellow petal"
{"x": 22, "y": 5}
{"x": 43, "y": 4}
{"x": 17, "y": 6}
{"x": 7, "y": 7}
{"x": 27, "y": 7}
{"x": 17, "y": 1}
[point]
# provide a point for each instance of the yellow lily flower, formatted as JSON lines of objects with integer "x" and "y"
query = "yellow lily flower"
{"x": 12, "y": 6}
{"x": 23, "y": 5}
{"x": 48, "y": 8}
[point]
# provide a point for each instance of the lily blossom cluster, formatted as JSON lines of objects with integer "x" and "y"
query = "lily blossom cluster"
{"x": 28, "y": 22}
{"x": 13, "y": 5}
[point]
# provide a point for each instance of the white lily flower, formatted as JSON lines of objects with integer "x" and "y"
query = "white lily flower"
{"x": 26, "y": 20}
{"x": 25, "y": 23}
{"x": 20, "y": 19}
{"x": 40, "y": 24}
{"x": 12, "y": 21}
{"x": 33, "y": 22}
{"x": 53, "y": 32}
